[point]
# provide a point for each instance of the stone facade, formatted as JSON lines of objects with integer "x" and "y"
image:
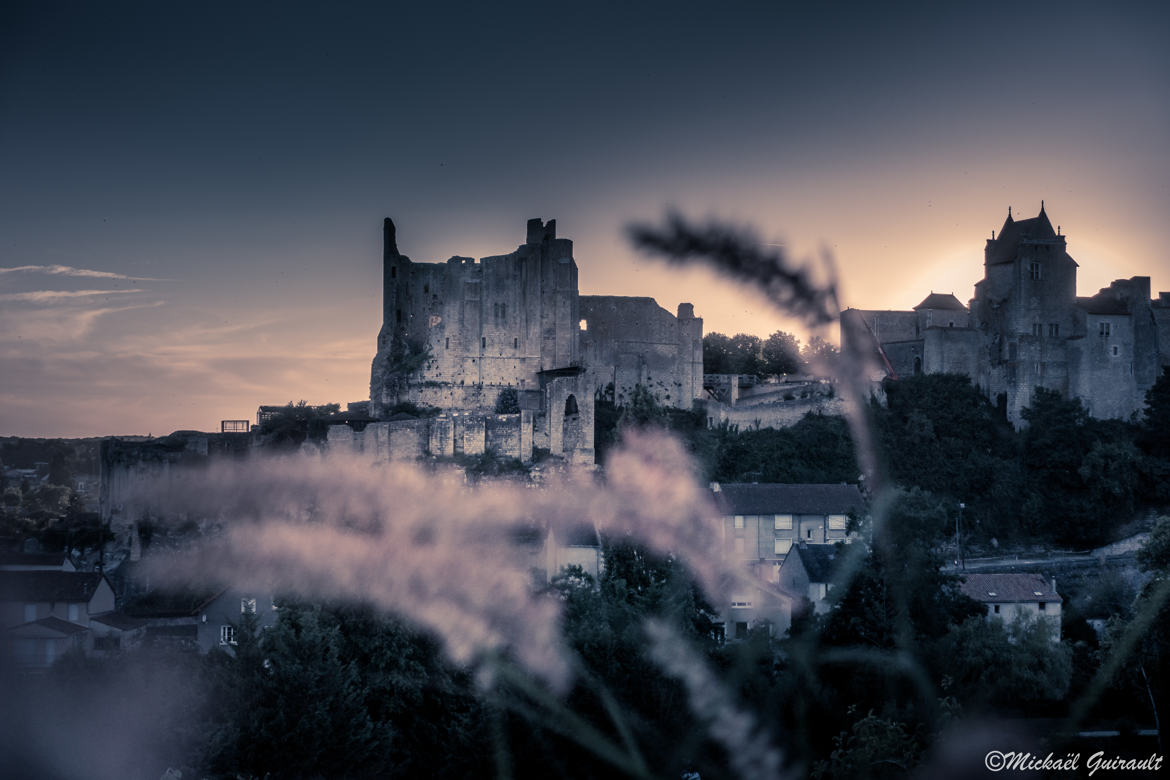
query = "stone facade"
{"x": 1026, "y": 328}
{"x": 456, "y": 334}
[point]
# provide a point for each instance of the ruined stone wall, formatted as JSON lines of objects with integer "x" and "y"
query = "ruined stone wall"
{"x": 447, "y": 435}
{"x": 777, "y": 415}
{"x": 631, "y": 341}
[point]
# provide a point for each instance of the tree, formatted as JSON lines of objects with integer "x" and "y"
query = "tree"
{"x": 780, "y": 354}
{"x": 508, "y": 401}
{"x": 819, "y": 356}
{"x": 1006, "y": 665}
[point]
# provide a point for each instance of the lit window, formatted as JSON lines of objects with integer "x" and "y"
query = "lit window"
{"x": 247, "y": 606}
{"x": 739, "y": 521}
{"x": 783, "y": 522}
{"x": 583, "y": 324}
{"x": 227, "y": 635}
{"x": 837, "y": 522}
{"x": 782, "y": 546}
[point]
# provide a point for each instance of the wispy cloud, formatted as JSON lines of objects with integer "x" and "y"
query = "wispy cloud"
{"x": 49, "y": 296}
{"x": 68, "y": 270}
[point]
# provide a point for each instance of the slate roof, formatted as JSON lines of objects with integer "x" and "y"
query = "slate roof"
{"x": 778, "y": 498}
{"x": 172, "y": 604}
{"x": 47, "y": 585}
{"x": 1002, "y": 587}
{"x": 1102, "y": 304}
{"x": 1037, "y": 228}
{"x": 946, "y": 301}
{"x": 818, "y": 560}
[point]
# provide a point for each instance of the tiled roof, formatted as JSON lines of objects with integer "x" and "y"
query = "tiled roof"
{"x": 1009, "y": 587}
{"x": 778, "y": 498}
{"x": 946, "y": 301}
{"x": 47, "y": 585}
{"x": 51, "y": 623}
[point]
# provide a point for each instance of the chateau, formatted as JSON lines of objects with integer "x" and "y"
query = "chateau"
{"x": 457, "y": 335}
{"x": 1026, "y": 328}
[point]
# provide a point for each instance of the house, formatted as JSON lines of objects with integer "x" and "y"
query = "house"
{"x": 808, "y": 570}
{"x": 198, "y": 620}
{"x": 32, "y": 594}
{"x": 761, "y": 522}
{"x": 44, "y": 613}
{"x": 1011, "y": 595}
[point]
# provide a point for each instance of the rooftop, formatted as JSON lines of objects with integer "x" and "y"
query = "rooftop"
{"x": 1009, "y": 587}
{"x": 743, "y": 498}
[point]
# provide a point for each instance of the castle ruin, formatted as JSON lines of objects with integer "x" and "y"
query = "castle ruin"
{"x": 456, "y": 335}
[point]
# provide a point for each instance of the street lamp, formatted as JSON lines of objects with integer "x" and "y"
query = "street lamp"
{"x": 958, "y": 538}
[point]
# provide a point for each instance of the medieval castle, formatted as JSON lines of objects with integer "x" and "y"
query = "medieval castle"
{"x": 462, "y": 335}
{"x": 1026, "y": 328}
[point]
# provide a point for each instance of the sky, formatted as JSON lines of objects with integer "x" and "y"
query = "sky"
{"x": 191, "y": 194}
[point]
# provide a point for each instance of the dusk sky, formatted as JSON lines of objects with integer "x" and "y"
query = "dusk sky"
{"x": 192, "y": 194}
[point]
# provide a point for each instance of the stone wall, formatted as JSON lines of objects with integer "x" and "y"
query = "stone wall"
{"x": 629, "y": 341}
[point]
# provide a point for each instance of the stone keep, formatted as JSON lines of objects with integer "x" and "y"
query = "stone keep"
{"x": 1026, "y": 328}
{"x": 456, "y": 334}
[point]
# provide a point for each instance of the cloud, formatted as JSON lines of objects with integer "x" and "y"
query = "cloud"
{"x": 50, "y": 296}
{"x": 68, "y": 270}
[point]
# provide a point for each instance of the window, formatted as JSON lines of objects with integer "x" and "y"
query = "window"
{"x": 1116, "y": 350}
{"x": 227, "y": 635}
{"x": 247, "y": 606}
{"x": 740, "y": 629}
{"x": 393, "y": 272}
{"x": 740, "y": 545}
{"x": 1043, "y": 606}
{"x": 74, "y": 612}
{"x": 809, "y": 534}
{"x": 398, "y": 315}
{"x": 739, "y": 521}
{"x": 1105, "y": 328}
{"x": 515, "y": 343}
{"x": 447, "y": 343}
{"x": 782, "y": 546}
{"x": 782, "y": 522}
{"x": 741, "y": 602}
{"x": 30, "y": 613}
{"x": 837, "y": 522}
{"x": 995, "y": 608}
{"x": 483, "y": 342}
{"x": 1053, "y": 329}
{"x": 583, "y": 324}
{"x": 1037, "y": 329}
{"x": 1034, "y": 271}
